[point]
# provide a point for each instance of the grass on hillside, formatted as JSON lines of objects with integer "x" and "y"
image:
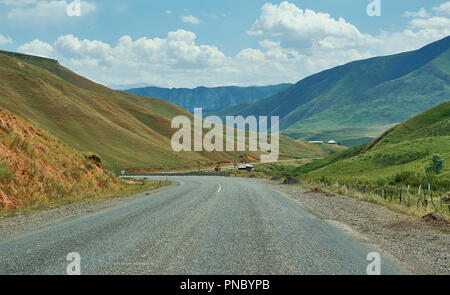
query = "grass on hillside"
{"x": 38, "y": 171}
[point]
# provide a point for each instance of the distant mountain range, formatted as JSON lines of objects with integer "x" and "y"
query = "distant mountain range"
{"x": 356, "y": 102}
{"x": 210, "y": 99}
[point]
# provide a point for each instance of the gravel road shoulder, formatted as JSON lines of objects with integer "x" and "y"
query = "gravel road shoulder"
{"x": 419, "y": 246}
{"x": 14, "y": 227}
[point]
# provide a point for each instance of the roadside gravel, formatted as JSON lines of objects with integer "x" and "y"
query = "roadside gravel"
{"x": 420, "y": 246}
{"x": 13, "y": 227}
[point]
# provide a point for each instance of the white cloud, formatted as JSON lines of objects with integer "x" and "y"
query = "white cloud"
{"x": 168, "y": 11}
{"x": 160, "y": 61}
{"x": 45, "y": 10}
{"x": 420, "y": 13}
{"x": 433, "y": 23}
{"x": 37, "y": 47}
{"x": 190, "y": 19}
{"x": 301, "y": 28}
{"x": 17, "y": 2}
{"x": 444, "y": 8}
{"x": 5, "y": 40}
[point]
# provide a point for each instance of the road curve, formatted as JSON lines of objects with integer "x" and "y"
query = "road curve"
{"x": 206, "y": 225}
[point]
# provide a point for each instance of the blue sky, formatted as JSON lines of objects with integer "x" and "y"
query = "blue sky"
{"x": 204, "y": 42}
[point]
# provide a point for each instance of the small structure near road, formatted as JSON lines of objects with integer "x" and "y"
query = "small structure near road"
{"x": 322, "y": 142}
{"x": 247, "y": 167}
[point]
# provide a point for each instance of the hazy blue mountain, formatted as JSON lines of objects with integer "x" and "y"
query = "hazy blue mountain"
{"x": 210, "y": 99}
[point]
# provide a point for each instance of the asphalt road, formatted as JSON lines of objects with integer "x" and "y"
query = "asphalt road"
{"x": 206, "y": 225}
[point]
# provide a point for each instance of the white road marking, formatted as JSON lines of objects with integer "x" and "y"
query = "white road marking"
{"x": 220, "y": 189}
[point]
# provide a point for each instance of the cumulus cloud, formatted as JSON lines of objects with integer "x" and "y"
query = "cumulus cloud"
{"x": 444, "y": 8}
{"x": 37, "y": 47}
{"x": 160, "y": 61}
{"x": 420, "y": 13}
{"x": 5, "y": 40}
{"x": 168, "y": 11}
{"x": 435, "y": 22}
{"x": 302, "y": 28}
{"x": 190, "y": 19}
{"x": 44, "y": 10}
{"x": 307, "y": 30}
{"x": 17, "y": 2}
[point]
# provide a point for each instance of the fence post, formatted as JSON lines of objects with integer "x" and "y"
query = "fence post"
{"x": 409, "y": 197}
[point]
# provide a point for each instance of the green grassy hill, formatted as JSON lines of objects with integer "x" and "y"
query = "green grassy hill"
{"x": 391, "y": 169}
{"x": 38, "y": 171}
{"x": 357, "y": 101}
{"x": 126, "y": 130}
{"x": 403, "y": 149}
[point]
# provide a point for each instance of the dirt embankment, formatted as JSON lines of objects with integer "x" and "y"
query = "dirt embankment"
{"x": 37, "y": 170}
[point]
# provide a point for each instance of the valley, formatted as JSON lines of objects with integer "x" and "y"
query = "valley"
{"x": 150, "y": 181}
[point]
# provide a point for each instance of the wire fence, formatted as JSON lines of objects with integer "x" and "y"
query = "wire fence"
{"x": 424, "y": 199}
